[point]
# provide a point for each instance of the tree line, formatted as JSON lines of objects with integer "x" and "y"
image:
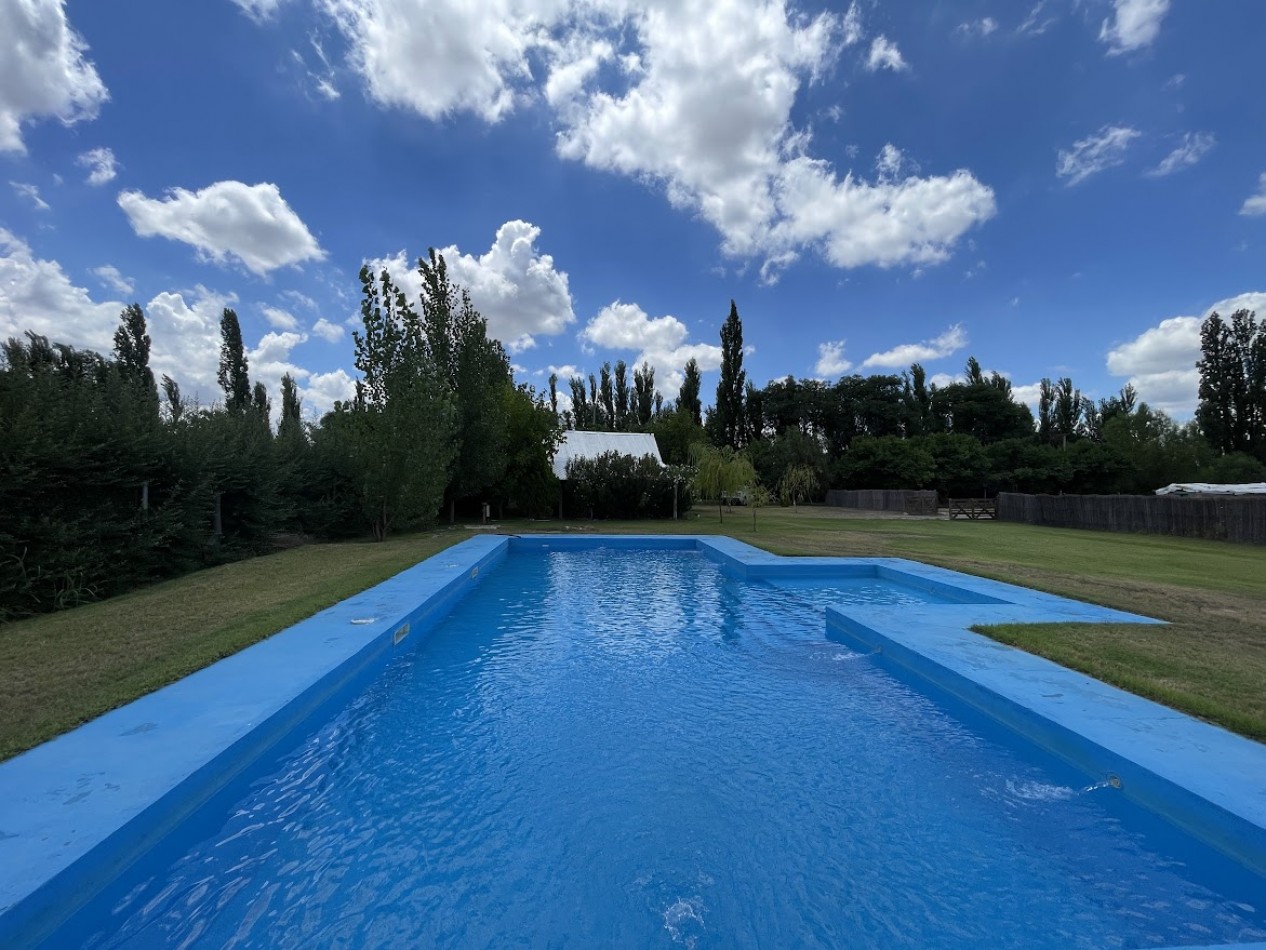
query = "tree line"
{"x": 110, "y": 478}
{"x": 967, "y": 437}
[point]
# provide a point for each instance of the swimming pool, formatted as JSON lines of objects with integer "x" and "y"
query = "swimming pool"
{"x": 604, "y": 745}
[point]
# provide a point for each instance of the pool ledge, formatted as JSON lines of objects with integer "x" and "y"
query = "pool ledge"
{"x": 80, "y": 808}
{"x": 1204, "y": 779}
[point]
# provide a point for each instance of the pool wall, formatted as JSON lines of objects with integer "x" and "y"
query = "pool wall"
{"x": 80, "y": 809}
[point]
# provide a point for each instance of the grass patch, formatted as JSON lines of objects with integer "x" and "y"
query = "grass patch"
{"x": 59, "y": 670}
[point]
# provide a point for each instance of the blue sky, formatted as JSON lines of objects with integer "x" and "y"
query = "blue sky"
{"x": 1059, "y": 188}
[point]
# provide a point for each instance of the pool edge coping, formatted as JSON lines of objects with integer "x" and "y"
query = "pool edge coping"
{"x": 418, "y": 597}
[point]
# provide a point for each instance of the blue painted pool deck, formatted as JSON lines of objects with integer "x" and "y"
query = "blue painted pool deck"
{"x": 79, "y": 809}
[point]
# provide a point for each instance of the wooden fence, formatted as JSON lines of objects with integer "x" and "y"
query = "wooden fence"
{"x": 1217, "y": 517}
{"x": 910, "y": 502}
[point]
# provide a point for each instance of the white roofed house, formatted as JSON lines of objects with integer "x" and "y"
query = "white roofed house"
{"x": 578, "y": 444}
{"x": 588, "y": 445}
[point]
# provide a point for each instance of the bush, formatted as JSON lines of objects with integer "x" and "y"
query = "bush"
{"x": 613, "y": 485}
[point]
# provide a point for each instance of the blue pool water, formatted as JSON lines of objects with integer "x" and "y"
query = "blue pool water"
{"x": 611, "y": 749}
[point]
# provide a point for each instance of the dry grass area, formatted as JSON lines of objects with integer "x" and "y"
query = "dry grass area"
{"x": 59, "y": 670}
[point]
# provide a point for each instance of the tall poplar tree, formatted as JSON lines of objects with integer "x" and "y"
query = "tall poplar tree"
{"x": 232, "y": 375}
{"x": 1232, "y": 410}
{"x": 476, "y": 370}
{"x": 688, "y": 396}
{"x": 131, "y": 351}
{"x": 729, "y": 406}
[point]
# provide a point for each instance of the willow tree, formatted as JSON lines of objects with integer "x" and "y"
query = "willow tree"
{"x": 721, "y": 473}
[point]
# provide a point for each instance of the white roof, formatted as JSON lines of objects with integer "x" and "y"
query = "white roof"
{"x": 1207, "y": 488}
{"x": 587, "y": 445}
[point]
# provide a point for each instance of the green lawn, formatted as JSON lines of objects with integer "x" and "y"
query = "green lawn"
{"x": 59, "y": 670}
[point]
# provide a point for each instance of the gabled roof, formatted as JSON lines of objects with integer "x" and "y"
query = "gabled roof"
{"x": 587, "y": 445}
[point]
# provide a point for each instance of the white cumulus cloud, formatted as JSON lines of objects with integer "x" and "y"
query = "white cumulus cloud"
{"x": 513, "y": 285}
{"x": 1133, "y": 25}
{"x": 321, "y": 390}
{"x": 227, "y": 221}
{"x": 1161, "y": 361}
{"x": 37, "y": 295}
{"x": 691, "y": 96}
{"x": 44, "y": 70}
{"x": 659, "y": 341}
{"x": 279, "y": 318}
{"x": 444, "y": 55}
{"x": 1256, "y": 204}
{"x": 259, "y": 10}
{"x": 947, "y": 344}
{"x": 1095, "y": 153}
{"x": 185, "y": 328}
{"x": 330, "y": 332}
{"x": 885, "y": 55}
{"x": 102, "y": 165}
{"x": 1194, "y": 147}
{"x": 831, "y": 361}
{"x": 111, "y": 277}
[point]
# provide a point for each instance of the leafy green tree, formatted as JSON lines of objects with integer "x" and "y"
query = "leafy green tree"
{"x": 918, "y": 400}
{"x": 753, "y": 414}
{"x": 476, "y": 374}
{"x": 675, "y": 432}
{"x": 290, "y": 426}
{"x": 688, "y": 395}
{"x": 798, "y": 483}
{"x": 553, "y": 393}
{"x": 607, "y": 395}
{"x": 887, "y": 462}
{"x": 260, "y": 403}
{"x": 730, "y": 388}
{"x": 528, "y": 483}
{"x": 171, "y": 393}
{"x": 621, "y": 412}
{"x": 1232, "y": 410}
{"x": 644, "y": 394}
{"x": 983, "y": 409}
{"x": 396, "y": 440}
{"x": 721, "y": 473}
{"x": 772, "y": 457}
{"x": 1236, "y": 468}
{"x": 91, "y": 501}
{"x": 232, "y": 375}
{"x": 1022, "y": 464}
{"x": 596, "y": 421}
{"x": 960, "y": 462}
{"x": 1067, "y": 413}
{"x": 131, "y": 352}
{"x": 579, "y": 403}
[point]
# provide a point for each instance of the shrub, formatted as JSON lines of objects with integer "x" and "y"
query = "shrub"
{"x": 613, "y": 485}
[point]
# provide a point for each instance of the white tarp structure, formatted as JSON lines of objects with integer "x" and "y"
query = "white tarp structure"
{"x": 587, "y": 445}
{"x": 1207, "y": 488}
